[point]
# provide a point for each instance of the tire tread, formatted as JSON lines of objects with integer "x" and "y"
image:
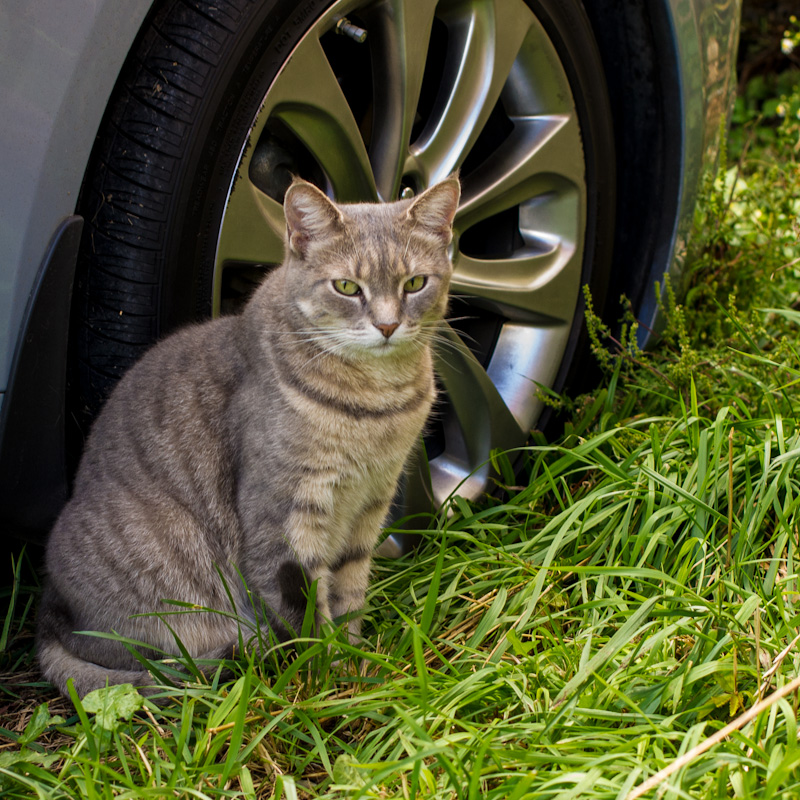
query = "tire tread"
{"x": 129, "y": 193}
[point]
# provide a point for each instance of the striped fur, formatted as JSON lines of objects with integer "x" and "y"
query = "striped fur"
{"x": 267, "y": 446}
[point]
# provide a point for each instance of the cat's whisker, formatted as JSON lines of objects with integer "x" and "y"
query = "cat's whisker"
{"x": 445, "y": 346}
{"x": 462, "y": 334}
{"x": 462, "y": 298}
{"x": 331, "y": 347}
{"x": 325, "y": 349}
{"x": 303, "y": 331}
{"x": 459, "y": 319}
{"x": 437, "y": 333}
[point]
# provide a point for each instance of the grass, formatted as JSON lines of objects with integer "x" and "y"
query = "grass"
{"x": 633, "y": 601}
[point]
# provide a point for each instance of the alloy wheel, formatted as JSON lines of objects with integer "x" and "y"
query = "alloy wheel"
{"x": 381, "y": 99}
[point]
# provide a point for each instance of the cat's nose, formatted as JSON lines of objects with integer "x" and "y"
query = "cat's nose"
{"x": 387, "y": 328}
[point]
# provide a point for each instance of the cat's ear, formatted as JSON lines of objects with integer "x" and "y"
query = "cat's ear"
{"x": 435, "y": 208}
{"x": 309, "y": 215}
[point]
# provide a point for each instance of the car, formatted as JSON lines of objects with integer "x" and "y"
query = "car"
{"x": 146, "y": 150}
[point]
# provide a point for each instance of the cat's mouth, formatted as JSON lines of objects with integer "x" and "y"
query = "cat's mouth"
{"x": 389, "y": 345}
{"x": 379, "y": 341}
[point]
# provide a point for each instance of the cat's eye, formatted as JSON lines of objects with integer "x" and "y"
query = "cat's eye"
{"x": 414, "y": 284}
{"x": 350, "y": 288}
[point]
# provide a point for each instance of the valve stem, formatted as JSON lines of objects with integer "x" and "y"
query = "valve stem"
{"x": 346, "y": 28}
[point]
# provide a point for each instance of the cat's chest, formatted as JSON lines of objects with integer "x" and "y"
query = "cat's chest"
{"x": 340, "y": 440}
{"x": 353, "y": 433}
{"x": 352, "y": 416}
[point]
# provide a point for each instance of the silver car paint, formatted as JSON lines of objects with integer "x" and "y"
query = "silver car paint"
{"x": 58, "y": 65}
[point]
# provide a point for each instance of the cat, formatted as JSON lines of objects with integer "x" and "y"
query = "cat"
{"x": 265, "y": 446}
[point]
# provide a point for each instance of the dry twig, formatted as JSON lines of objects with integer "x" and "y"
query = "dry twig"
{"x": 701, "y": 748}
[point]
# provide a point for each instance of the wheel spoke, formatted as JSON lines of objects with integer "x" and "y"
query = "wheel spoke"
{"x": 539, "y": 169}
{"x": 485, "y": 39}
{"x": 525, "y": 356}
{"x": 251, "y": 233}
{"x": 541, "y": 153}
{"x": 252, "y": 229}
{"x": 400, "y": 33}
{"x": 537, "y": 283}
{"x": 308, "y": 99}
{"x": 478, "y": 420}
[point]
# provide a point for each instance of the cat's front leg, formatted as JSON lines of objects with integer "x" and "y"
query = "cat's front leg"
{"x": 288, "y": 548}
{"x": 349, "y": 582}
{"x": 350, "y": 574}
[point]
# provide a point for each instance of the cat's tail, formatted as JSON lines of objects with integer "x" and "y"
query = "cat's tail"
{"x": 58, "y": 664}
{"x": 59, "y": 661}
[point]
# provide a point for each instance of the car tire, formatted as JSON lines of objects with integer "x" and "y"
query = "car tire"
{"x": 194, "y": 124}
{"x": 158, "y": 178}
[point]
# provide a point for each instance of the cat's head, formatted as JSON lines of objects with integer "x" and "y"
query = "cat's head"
{"x": 370, "y": 278}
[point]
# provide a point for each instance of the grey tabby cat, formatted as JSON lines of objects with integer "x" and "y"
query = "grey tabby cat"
{"x": 268, "y": 443}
